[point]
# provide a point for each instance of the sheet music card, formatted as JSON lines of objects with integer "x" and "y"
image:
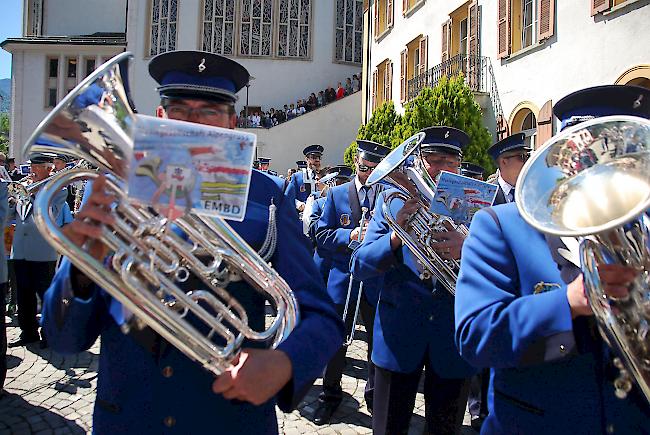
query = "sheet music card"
{"x": 180, "y": 167}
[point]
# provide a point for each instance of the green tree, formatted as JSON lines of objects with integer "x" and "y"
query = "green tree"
{"x": 4, "y": 133}
{"x": 380, "y": 127}
{"x": 451, "y": 102}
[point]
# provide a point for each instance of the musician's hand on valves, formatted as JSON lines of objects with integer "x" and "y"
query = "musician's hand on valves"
{"x": 301, "y": 206}
{"x": 449, "y": 244}
{"x": 403, "y": 216}
{"x": 86, "y": 227}
{"x": 255, "y": 376}
{"x": 354, "y": 235}
{"x": 615, "y": 280}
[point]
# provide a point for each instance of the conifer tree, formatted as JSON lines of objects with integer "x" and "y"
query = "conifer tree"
{"x": 451, "y": 102}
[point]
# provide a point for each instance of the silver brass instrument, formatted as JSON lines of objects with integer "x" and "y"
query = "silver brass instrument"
{"x": 349, "y": 338}
{"x": 149, "y": 260}
{"x": 592, "y": 181}
{"x": 402, "y": 169}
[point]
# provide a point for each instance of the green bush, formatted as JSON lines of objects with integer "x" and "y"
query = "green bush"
{"x": 451, "y": 102}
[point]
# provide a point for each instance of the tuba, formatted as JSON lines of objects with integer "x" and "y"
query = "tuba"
{"x": 402, "y": 169}
{"x": 150, "y": 261}
{"x": 592, "y": 182}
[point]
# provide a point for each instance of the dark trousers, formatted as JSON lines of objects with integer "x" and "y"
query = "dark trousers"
{"x": 32, "y": 278}
{"x": 332, "y": 391}
{"x": 395, "y": 393}
{"x": 3, "y": 335}
{"x": 478, "y": 388}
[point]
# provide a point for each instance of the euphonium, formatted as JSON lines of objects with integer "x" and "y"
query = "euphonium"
{"x": 149, "y": 260}
{"x": 402, "y": 169}
{"x": 592, "y": 182}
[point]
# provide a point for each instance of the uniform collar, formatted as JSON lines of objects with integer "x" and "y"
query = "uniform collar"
{"x": 505, "y": 186}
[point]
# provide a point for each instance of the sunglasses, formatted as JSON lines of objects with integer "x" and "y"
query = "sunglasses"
{"x": 364, "y": 168}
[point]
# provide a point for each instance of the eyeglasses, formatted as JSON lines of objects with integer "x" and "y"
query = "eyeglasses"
{"x": 181, "y": 112}
{"x": 364, "y": 168}
{"x": 437, "y": 160}
{"x": 523, "y": 156}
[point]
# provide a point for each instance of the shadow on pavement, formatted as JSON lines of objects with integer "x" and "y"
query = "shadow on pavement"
{"x": 19, "y": 416}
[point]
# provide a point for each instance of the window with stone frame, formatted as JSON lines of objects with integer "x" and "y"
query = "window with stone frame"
{"x": 34, "y": 17}
{"x": 218, "y": 32}
{"x": 294, "y": 29}
{"x": 164, "y": 19}
{"x": 256, "y": 27}
{"x": 349, "y": 30}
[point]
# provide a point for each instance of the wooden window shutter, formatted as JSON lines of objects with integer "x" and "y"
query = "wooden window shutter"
{"x": 598, "y": 6}
{"x": 546, "y": 19}
{"x": 473, "y": 29}
{"x": 503, "y": 29}
{"x": 366, "y": 5}
{"x": 544, "y": 124}
{"x": 473, "y": 60}
{"x": 389, "y": 13}
{"x": 374, "y": 90}
{"x": 446, "y": 27}
{"x": 402, "y": 76}
{"x": 424, "y": 43}
{"x": 388, "y": 90}
{"x": 375, "y": 17}
{"x": 405, "y": 6}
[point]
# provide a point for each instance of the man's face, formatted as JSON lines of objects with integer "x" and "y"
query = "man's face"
{"x": 12, "y": 166}
{"x": 313, "y": 161}
{"x": 40, "y": 171}
{"x": 58, "y": 164}
{"x": 364, "y": 168}
{"x": 510, "y": 165}
{"x": 200, "y": 112}
{"x": 436, "y": 162}
{"x": 264, "y": 166}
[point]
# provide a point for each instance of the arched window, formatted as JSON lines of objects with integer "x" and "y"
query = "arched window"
{"x": 349, "y": 30}
{"x": 525, "y": 122}
{"x": 294, "y": 33}
{"x": 638, "y": 75}
{"x": 163, "y": 21}
{"x": 218, "y": 26}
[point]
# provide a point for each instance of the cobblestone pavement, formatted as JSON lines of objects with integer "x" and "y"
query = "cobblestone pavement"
{"x": 47, "y": 393}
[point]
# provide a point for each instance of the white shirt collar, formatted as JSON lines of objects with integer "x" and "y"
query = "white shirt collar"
{"x": 357, "y": 184}
{"x": 505, "y": 186}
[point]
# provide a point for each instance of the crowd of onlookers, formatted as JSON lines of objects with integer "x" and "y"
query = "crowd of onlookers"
{"x": 324, "y": 97}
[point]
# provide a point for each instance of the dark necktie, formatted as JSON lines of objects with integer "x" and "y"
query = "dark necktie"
{"x": 364, "y": 197}
{"x": 512, "y": 195}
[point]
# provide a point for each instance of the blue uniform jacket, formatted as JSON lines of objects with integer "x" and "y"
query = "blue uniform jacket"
{"x": 135, "y": 396}
{"x": 342, "y": 214}
{"x": 298, "y": 188}
{"x": 413, "y": 320}
{"x": 512, "y": 314}
{"x": 321, "y": 258}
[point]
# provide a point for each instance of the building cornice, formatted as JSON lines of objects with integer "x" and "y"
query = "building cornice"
{"x": 108, "y": 39}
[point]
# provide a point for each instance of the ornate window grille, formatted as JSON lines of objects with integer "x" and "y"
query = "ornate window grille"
{"x": 256, "y": 27}
{"x": 349, "y": 30}
{"x": 294, "y": 38}
{"x": 218, "y": 26}
{"x": 164, "y": 15}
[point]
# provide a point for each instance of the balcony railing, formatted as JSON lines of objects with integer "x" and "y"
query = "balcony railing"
{"x": 477, "y": 71}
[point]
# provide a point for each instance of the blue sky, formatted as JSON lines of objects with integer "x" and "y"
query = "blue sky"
{"x": 11, "y": 21}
